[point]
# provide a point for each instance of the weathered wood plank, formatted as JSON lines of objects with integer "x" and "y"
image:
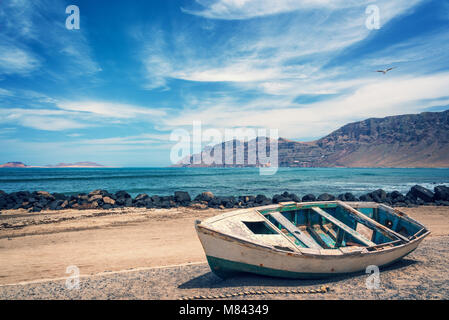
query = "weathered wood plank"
{"x": 298, "y": 234}
{"x": 344, "y": 227}
{"x": 372, "y": 223}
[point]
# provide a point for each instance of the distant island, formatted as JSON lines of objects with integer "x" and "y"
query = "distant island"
{"x": 85, "y": 164}
{"x": 404, "y": 141}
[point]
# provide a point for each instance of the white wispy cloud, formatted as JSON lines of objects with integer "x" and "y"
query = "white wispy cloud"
{"x": 41, "y": 119}
{"x": 110, "y": 109}
{"x": 244, "y": 9}
{"x": 273, "y": 49}
{"x": 14, "y": 60}
{"x": 31, "y": 25}
{"x": 76, "y": 115}
{"x": 394, "y": 96}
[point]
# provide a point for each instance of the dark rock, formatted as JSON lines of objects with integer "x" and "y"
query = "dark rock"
{"x": 142, "y": 196}
{"x": 366, "y": 198}
{"x": 260, "y": 198}
{"x": 103, "y": 193}
{"x": 228, "y": 202}
{"x": 55, "y": 204}
{"x": 59, "y": 196}
{"x": 294, "y": 197}
{"x": 379, "y": 195}
{"x": 3, "y": 203}
{"x": 122, "y": 194}
{"x": 326, "y": 197}
{"x": 148, "y": 203}
{"x": 350, "y": 197}
{"x": 167, "y": 198}
{"x": 309, "y": 198}
{"x": 422, "y": 193}
{"x": 277, "y": 198}
{"x": 205, "y": 196}
{"x": 215, "y": 202}
{"x": 247, "y": 199}
{"x": 142, "y": 200}
{"x": 156, "y": 200}
{"x": 166, "y": 204}
{"x": 394, "y": 195}
{"x": 411, "y": 197}
{"x": 441, "y": 193}
{"x": 44, "y": 194}
{"x": 128, "y": 202}
{"x": 182, "y": 197}
{"x": 399, "y": 199}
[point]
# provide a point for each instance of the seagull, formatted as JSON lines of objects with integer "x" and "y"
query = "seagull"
{"x": 386, "y": 70}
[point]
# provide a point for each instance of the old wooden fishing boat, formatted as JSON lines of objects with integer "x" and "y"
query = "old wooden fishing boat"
{"x": 308, "y": 240}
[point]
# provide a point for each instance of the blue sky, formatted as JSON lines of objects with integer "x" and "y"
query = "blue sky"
{"x": 113, "y": 91}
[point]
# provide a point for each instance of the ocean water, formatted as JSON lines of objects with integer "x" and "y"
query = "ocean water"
{"x": 221, "y": 181}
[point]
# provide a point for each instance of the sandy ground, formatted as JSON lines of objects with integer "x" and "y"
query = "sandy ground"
{"x": 121, "y": 254}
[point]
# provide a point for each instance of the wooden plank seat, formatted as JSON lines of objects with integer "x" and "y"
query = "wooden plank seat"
{"x": 344, "y": 227}
{"x": 298, "y": 234}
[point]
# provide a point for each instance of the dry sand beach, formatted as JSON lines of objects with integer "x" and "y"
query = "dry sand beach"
{"x": 132, "y": 253}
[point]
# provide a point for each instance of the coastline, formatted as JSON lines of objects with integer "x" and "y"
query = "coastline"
{"x": 38, "y": 201}
{"x": 109, "y": 243}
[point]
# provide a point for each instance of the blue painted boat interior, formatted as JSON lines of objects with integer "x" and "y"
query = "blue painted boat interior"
{"x": 329, "y": 235}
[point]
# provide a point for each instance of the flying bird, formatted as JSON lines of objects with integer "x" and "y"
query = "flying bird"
{"x": 386, "y": 70}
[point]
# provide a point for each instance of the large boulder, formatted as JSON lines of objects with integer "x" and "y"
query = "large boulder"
{"x": 215, "y": 202}
{"x": 309, "y": 198}
{"x": 278, "y": 198}
{"x": 395, "y": 194}
{"x": 54, "y": 205}
{"x": 294, "y": 197}
{"x": 142, "y": 200}
{"x": 59, "y": 196}
{"x": 108, "y": 201}
{"x": 422, "y": 193}
{"x": 155, "y": 201}
{"x": 205, "y": 196}
{"x": 122, "y": 194}
{"x": 441, "y": 193}
{"x": 262, "y": 200}
{"x": 95, "y": 197}
{"x": 140, "y": 197}
{"x": 228, "y": 202}
{"x": 182, "y": 197}
{"x": 102, "y": 193}
{"x": 379, "y": 195}
{"x": 350, "y": 197}
{"x": 44, "y": 194}
{"x": 366, "y": 198}
{"x": 326, "y": 197}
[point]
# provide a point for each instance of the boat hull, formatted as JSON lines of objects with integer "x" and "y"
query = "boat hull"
{"x": 228, "y": 255}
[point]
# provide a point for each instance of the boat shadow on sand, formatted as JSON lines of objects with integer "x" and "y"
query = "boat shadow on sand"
{"x": 210, "y": 280}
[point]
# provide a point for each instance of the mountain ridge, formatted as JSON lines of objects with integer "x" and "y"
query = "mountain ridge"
{"x": 410, "y": 140}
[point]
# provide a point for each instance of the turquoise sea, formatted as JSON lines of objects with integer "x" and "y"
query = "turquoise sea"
{"x": 221, "y": 181}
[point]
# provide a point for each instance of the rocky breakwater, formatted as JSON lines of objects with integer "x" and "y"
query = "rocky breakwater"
{"x": 101, "y": 199}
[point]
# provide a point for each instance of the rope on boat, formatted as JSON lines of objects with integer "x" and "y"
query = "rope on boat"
{"x": 322, "y": 289}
